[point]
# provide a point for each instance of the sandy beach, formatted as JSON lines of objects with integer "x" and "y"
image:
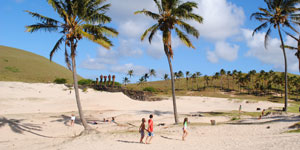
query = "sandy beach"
{"x": 37, "y": 116}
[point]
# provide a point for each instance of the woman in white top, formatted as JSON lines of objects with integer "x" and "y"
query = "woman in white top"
{"x": 73, "y": 119}
{"x": 185, "y": 133}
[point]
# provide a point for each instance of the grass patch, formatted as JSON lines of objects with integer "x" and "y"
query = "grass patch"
{"x": 12, "y": 69}
{"x": 294, "y": 131}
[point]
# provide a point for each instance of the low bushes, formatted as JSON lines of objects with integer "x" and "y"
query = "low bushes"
{"x": 149, "y": 89}
{"x": 60, "y": 81}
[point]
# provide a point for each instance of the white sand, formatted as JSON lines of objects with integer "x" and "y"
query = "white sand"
{"x": 36, "y": 116}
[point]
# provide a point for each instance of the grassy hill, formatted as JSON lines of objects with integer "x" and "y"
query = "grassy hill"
{"x": 20, "y": 65}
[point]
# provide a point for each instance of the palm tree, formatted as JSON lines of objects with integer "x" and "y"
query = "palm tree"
{"x": 146, "y": 76}
{"x": 130, "y": 73}
{"x": 126, "y": 80}
{"x": 80, "y": 18}
{"x": 198, "y": 75}
{"x": 228, "y": 74}
{"x": 141, "y": 80}
{"x": 222, "y": 73}
{"x": 278, "y": 13}
{"x": 251, "y": 75}
{"x": 215, "y": 77}
{"x": 234, "y": 75}
{"x": 206, "y": 78}
{"x": 166, "y": 77}
{"x": 152, "y": 72}
{"x": 172, "y": 14}
{"x": 187, "y": 75}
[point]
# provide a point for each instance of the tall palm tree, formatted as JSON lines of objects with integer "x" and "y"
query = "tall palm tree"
{"x": 198, "y": 75}
{"x": 172, "y": 14}
{"x": 80, "y": 18}
{"x": 187, "y": 75}
{"x": 279, "y": 13}
{"x": 228, "y": 74}
{"x": 130, "y": 73}
{"x": 206, "y": 78}
{"x": 222, "y": 73}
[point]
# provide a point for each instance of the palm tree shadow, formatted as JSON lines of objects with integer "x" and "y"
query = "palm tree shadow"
{"x": 168, "y": 138}
{"x": 274, "y": 120}
{"x": 155, "y": 112}
{"x": 123, "y": 141}
{"x": 17, "y": 126}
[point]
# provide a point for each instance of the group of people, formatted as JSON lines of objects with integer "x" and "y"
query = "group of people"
{"x": 150, "y": 129}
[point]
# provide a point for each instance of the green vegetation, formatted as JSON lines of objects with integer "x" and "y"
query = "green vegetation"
{"x": 60, "y": 81}
{"x": 86, "y": 82}
{"x": 149, "y": 89}
{"x": 24, "y": 66}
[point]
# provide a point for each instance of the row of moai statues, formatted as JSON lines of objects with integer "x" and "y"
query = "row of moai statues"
{"x": 103, "y": 80}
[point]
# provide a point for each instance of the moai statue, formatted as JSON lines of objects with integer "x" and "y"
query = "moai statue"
{"x": 101, "y": 79}
{"x": 105, "y": 77}
{"x": 113, "y": 80}
{"x": 97, "y": 81}
{"x": 109, "y": 79}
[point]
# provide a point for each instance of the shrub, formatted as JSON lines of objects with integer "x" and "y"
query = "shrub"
{"x": 85, "y": 82}
{"x": 149, "y": 89}
{"x": 60, "y": 81}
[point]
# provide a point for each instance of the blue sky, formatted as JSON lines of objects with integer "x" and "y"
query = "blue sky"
{"x": 225, "y": 40}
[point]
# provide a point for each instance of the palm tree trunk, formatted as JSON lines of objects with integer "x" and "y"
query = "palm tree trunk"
{"x": 81, "y": 115}
{"x": 285, "y": 71}
{"x": 173, "y": 85}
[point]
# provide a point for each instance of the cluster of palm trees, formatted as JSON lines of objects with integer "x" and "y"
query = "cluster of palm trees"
{"x": 262, "y": 83}
{"x": 87, "y": 19}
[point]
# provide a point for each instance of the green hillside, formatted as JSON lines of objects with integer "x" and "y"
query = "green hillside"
{"x": 20, "y": 65}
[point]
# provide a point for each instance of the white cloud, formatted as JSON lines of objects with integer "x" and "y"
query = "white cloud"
{"x": 222, "y": 19}
{"x": 138, "y": 70}
{"x": 273, "y": 55}
{"x": 224, "y": 51}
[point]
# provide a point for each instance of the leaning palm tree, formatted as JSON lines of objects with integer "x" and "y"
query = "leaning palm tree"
{"x": 278, "y": 14}
{"x": 297, "y": 49}
{"x": 172, "y": 15}
{"x": 152, "y": 72}
{"x": 80, "y": 18}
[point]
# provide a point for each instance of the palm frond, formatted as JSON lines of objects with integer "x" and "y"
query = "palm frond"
{"x": 158, "y": 6}
{"x": 188, "y": 28}
{"x": 187, "y": 6}
{"x": 98, "y": 29}
{"x": 56, "y": 47}
{"x": 267, "y": 35}
{"x": 67, "y": 57}
{"x": 154, "y": 30}
{"x": 147, "y": 31}
{"x": 44, "y": 19}
{"x": 262, "y": 26}
{"x": 101, "y": 40}
{"x": 184, "y": 38}
{"x": 148, "y": 13}
{"x": 40, "y": 26}
{"x": 192, "y": 16}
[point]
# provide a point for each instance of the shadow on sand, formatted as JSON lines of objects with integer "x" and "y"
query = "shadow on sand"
{"x": 123, "y": 141}
{"x": 274, "y": 119}
{"x": 168, "y": 138}
{"x": 155, "y": 112}
{"x": 17, "y": 126}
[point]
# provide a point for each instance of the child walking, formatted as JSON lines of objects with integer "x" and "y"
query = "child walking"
{"x": 185, "y": 133}
{"x": 150, "y": 129}
{"x": 142, "y": 130}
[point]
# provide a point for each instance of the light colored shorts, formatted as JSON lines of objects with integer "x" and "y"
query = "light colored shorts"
{"x": 150, "y": 134}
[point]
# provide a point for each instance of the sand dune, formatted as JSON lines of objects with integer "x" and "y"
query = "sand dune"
{"x": 36, "y": 116}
